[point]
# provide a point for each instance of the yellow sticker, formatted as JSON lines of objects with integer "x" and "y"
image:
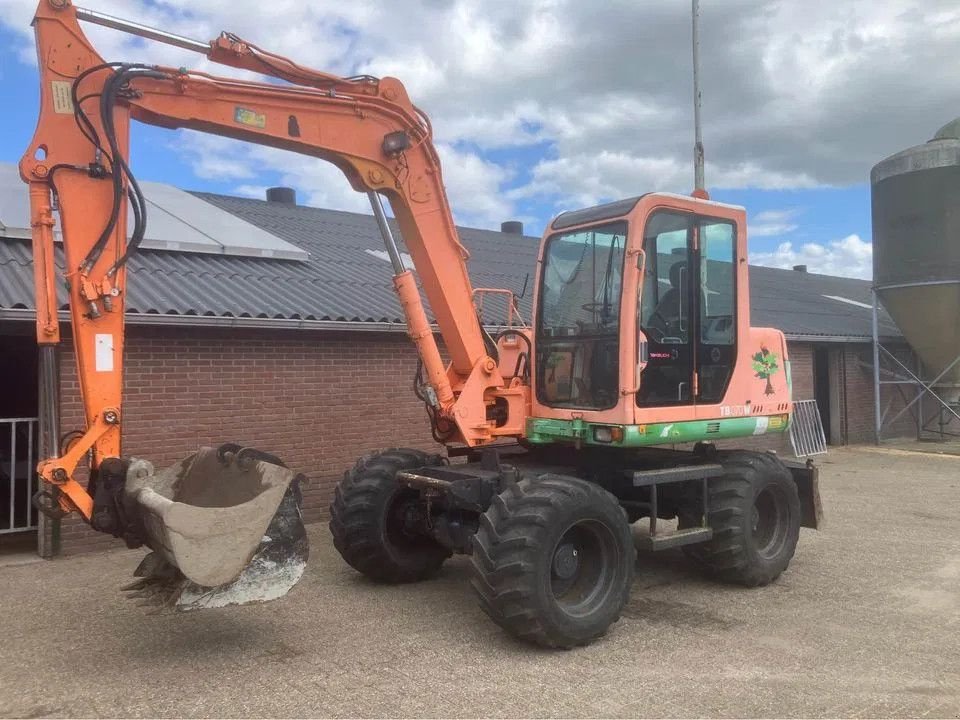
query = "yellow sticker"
{"x": 62, "y": 100}
{"x": 249, "y": 117}
{"x": 776, "y": 422}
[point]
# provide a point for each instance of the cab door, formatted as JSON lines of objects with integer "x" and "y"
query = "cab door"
{"x": 687, "y": 309}
{"x": 667, "y": 314}
{"x": 716, "y": 347}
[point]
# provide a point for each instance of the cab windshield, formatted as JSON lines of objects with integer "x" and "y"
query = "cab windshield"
{"x": 579, "y": 317}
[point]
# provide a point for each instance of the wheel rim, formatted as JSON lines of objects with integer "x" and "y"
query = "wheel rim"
{"x": 769, "y": 522}
{"x": 400, "y": 523}
{"x": 582, "y": 567}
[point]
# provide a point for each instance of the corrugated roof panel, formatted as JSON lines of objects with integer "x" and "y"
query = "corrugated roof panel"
{"x": 183, "y": 222}
{"x": 176, "y": 221}
{"x": 342, "y": 281}
{"x": 15, "y": 204}
{"x": 166, "y": 231}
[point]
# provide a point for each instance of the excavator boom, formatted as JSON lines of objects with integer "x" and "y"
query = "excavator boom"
{"x": 79, "y": 158}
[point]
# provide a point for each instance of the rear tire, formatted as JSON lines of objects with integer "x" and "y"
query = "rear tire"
{"x": 553, "y": 561}
{"x": 368, "y": 519}
{"x": 754, "y": 511}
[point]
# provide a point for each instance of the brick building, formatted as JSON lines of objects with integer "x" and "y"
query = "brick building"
{"x": 307, "y": 357}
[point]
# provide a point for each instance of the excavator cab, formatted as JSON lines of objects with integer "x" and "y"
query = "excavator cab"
{"x": 643, "y": 317}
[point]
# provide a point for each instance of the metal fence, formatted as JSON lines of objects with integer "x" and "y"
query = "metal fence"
{"x": 806, "y": 429}
{"x": 18, "y": 460}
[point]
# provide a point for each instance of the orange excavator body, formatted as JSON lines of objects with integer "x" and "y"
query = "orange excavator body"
{"x": 600, "y": 366}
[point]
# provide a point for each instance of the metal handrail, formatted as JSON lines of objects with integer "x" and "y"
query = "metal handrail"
{"x": 806, "y": 429}
{"x": 513, "y": 307}
{"x": 19, "y": 515}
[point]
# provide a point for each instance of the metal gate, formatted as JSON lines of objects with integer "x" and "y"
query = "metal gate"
{"x": 18, "y": 460}
{"x": 806, "y": 429}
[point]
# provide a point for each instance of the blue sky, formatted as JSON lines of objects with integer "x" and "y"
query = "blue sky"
{"x": 530, "y": 121}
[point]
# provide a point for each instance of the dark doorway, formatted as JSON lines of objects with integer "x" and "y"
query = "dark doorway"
{"x": 18, "y": 434}
{"x": 18, "y": 376}
{"x": 821, "y": 386}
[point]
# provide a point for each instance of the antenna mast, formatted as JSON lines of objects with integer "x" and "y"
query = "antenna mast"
{"x": 699, "y": 186}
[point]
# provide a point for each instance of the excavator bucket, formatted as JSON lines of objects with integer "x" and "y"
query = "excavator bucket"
{"x": 224, "y": 526}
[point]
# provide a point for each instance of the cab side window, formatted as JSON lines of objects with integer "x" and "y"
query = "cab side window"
{"x": 718, "y": 289}
{"x": 717, "y": 314}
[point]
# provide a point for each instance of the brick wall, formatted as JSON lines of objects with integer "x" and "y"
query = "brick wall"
{"x": 851, "y": 379}
{"x": 320, "y": 400}
{"x": 859, "y": 399}
{"x": 317, "y": 400}
{"x": 801, "y": 369}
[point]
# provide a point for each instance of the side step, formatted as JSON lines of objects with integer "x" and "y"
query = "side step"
{"x": 664, "y": 541}
{"x": 653, "y": 479}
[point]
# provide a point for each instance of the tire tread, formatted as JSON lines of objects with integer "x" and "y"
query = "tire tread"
{"x": 355, "y": 510}
{"x": 727, "y": 555}
{"x": 508, "y": 546}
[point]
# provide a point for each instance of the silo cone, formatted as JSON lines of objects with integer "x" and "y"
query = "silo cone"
{"x": 224, "y": 528}
{"x": 916, "y": 250}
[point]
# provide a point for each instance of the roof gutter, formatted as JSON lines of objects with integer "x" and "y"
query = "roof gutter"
{"x": 143, "y": 319}
{"x": 800, "y": 337}
{"x": 829, "y": 338}
{"x": 213, "y": 321}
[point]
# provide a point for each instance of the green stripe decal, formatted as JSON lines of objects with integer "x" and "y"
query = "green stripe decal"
{"x": 543, "y": 431}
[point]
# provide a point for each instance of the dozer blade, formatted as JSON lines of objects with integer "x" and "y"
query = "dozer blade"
{"x": 225, "y": 528}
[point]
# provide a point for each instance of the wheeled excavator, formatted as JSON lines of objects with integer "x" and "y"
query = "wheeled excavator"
{"x": 556, "y": 436}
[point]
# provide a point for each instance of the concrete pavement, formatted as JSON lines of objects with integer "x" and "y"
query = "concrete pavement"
{"x": 865, "y": 623}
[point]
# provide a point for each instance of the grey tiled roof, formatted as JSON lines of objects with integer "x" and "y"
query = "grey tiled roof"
{"x": 802, "y": 304}
{"x": 343, "y": 282}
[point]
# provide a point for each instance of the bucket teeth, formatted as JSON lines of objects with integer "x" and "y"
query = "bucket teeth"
{"x": 153, "y": 594}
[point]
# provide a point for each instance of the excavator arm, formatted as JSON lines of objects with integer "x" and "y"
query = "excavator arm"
{"x": 78, "y": 163}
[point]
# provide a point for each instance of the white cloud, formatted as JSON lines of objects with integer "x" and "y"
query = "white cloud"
{"x": 773, "y": 223}
{"x": 795, "y": 95}
{"x": 588, "y": 179}
{"x": 225, "y": 160}
{"x": 847, "y": 257}
{"x": 513, "y": 127}
{"x": 474, "y": 187}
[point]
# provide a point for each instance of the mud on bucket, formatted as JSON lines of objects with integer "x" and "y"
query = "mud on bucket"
{"x": 229, "y": 521}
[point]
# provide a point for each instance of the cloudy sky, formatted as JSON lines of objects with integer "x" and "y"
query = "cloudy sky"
{"x": 544, "y": 105}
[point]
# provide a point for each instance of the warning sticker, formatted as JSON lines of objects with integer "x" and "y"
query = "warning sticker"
{"x": 103, "y": 352}
{"x": 249, "y": 117}
{"x": 762, "y": 422}
{"x": 62, "y": 101}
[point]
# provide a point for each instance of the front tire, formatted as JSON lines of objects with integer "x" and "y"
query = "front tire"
{"x": 553, "y": 560}
{"x": 754, "y": 511}
{"x": 371, "y": 524}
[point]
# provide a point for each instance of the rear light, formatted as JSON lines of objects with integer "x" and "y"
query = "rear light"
{"x": 608, "y": 434}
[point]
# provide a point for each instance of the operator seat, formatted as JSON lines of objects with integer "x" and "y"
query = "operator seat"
{"x": 666, "y": 316}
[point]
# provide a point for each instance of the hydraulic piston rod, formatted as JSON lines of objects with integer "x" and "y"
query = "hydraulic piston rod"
{"x": 134, "y": 28}
{"x": 396, "y": 259}
{"x": 418, "y": 326}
